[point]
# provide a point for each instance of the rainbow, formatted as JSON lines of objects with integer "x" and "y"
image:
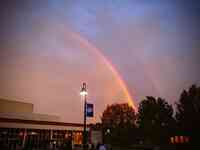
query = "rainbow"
{"x": 109, "y": 64}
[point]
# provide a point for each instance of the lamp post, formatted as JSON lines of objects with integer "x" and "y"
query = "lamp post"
{"x": 84, "y": 93}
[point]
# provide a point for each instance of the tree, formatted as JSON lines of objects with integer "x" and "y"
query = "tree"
{"x": 188, "y": 112}
{"x": 118, "y": 121}
{"x": 155, "y": 119}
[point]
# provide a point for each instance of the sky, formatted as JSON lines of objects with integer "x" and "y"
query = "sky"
{"x": 124, "y": 51}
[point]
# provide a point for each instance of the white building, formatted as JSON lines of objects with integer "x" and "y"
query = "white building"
{"x": 20, "y": 127}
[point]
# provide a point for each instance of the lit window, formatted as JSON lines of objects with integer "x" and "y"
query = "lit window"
{"x": 172, "y": 140}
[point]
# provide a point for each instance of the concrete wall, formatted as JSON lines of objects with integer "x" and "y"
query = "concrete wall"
{"x": 30, "y": 116}
{"x": 7, "y": 106}
{"x": 38, "y": 126}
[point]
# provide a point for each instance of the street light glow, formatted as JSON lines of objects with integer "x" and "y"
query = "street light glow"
{"x": 83, "y": 93}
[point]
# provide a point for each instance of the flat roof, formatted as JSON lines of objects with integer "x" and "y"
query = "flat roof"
{"x": 40, "y": 122}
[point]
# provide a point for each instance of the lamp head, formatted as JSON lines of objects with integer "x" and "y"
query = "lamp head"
{"x": 83, "y": 90}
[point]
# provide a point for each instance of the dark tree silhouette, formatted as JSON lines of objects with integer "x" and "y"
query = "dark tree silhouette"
{"x": 155, "y": 119}
{"x": 118, "y": 122}
{"x": 188, "y": 113}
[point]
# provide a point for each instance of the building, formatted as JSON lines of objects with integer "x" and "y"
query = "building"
{"x": 21, "y": 128}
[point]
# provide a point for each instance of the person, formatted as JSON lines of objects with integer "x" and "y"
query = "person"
{"x": 108, "y": 147}
{"x": 69, "y": 143}
{"x": 97, "y": 146}
{"x": 92, "y": 147}
{"x": 102, "y": 147}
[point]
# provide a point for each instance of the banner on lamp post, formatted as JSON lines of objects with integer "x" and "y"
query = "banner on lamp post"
{"x": 89, "y": 110}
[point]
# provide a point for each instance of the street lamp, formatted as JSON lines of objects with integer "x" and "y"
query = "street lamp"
{"x": 84, "y": 93}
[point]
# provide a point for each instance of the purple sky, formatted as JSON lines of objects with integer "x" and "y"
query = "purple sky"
{"x": 153, "y": 45}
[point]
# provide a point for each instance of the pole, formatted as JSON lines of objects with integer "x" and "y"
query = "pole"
{"x": 84, "y": 130}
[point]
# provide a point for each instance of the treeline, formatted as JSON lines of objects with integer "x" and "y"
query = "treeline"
{"x": 155, "y": 123}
